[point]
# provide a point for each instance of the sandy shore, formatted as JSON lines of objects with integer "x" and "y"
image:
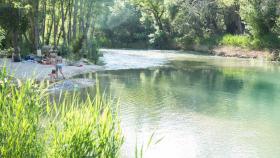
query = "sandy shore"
{"x": 39, "y": 72}
{"x": 230, "y": 51}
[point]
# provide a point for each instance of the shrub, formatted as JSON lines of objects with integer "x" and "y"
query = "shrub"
{"x": 185, "y": 42}
{"x": 91, "y": 51}
{"x": 160, "y": 40}
{"x": 64, "y": 50}
{"x": 268, "y": 41}
{"x": 236, "y": 40}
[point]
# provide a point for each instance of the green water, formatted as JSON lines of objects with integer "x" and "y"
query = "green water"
{"x": 203, "y": 107}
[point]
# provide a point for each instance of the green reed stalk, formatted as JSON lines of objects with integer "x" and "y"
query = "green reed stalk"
{"x": 32, "y": 127}
{"x": 20, "y": 111}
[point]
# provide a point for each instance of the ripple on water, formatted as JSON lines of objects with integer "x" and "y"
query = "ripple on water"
{"x": 203, "y": 106}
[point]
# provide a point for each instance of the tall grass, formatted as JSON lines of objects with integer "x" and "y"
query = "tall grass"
{"x": 269, "y": 41}
{"x": 236, "y": 40}
{"x": 20, "y": 111}
{"x": 32, "y": 127}
{"x": 84, "y": 129}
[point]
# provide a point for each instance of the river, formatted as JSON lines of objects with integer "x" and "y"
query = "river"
{"x": 203, "y": 106}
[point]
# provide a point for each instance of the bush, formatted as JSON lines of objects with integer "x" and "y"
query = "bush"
{"x": 185, "y": 42}
{"x": 236, "y": 40}
{"x": 269, "y": 41}
{"x": 91, "y": 52}
{"x": 160, "y": 40}
{"x": 64, "y": 50}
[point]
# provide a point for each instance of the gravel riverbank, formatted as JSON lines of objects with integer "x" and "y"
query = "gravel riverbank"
{"x": 39, "y": 72}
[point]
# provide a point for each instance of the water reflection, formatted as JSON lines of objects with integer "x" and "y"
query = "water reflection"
{"x": 202, "y": 109}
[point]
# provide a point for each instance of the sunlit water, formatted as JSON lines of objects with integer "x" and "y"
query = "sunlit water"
{"x": 202, "y": 106}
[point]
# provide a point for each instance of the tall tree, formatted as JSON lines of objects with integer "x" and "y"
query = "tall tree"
{"x": 14, "y": 20}
{"x": 36, "y": 24}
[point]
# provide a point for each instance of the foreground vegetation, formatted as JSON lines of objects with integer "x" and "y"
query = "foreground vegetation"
{"x": 32, "y": 126}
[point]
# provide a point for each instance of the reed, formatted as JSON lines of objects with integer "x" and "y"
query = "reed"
{"x": 20, "y": 111}
{"x": 87, "y": 128}
{"x": 33, "y": 126}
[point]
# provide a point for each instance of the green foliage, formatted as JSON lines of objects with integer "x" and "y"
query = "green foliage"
{"x": 123, "y": 29}
{"x": 2, "y": 37}
{"x": 269, "y": 41}
{"x": 92, "y": 50}
{"x": 162, "y": 24}
{"x": 63, "y": 50}
{"x": 33, "y": 126}
{"x": 6, "y": 52}
{"x": 77, "y": 45}
{"x": 236, "y": 40}
{"x": 259, "y": 15}
{"x": 84, "y": 129}
{"x": 160, "y": 40}
{"x": 13, "y": 19}
{"x": 20, "y": 111}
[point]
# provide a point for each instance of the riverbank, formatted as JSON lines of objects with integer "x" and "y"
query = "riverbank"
{"x": 238, "y": 52}
{"x": 231, "y": 51}
{"x": 112, "y": 60}
{"x": 39, "y": 72}
{"x": 117, "y": 59}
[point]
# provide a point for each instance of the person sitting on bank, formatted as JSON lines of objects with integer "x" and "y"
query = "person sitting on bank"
{"x": 58, "y": 66}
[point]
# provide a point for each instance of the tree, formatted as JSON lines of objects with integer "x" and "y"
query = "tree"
{"x": 156, "y": 11}
{"x": 15, "y": 22}
{"x": 260, "y": 15}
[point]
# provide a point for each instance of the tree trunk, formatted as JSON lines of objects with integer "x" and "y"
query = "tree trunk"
{"x": 49, "y": 32}
{"x": 36, "y": 24}
{"x": 240, "y": 29}
{"x": 69, "y": 22}
{"x": 87, "y": 25}
{"x": 81, "y": 17}
{"x": 54, "y": 24}
{"x": 63, "y": 22}
{"x": 88, "y": 20}
{"x": 75, "y": 20}
{"x": 15, "y": 42}
{"x": 62, "y": 28}
{"x": 44, "y": 22}
{"x": 233, "y": 20}
{"x": 158, "y": 21}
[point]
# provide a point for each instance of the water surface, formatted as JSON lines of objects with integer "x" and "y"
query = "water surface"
{"x": 203, "y": 106}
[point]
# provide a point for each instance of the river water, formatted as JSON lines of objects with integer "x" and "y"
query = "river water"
{"x": 202, "y": 106}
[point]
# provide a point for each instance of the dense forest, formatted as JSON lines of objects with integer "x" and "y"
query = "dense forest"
{"x": 79, "y": 27}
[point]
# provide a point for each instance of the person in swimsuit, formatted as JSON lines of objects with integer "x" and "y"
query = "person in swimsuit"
{"x": 53, "y": 75}
{"x": 58, "y": 66}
